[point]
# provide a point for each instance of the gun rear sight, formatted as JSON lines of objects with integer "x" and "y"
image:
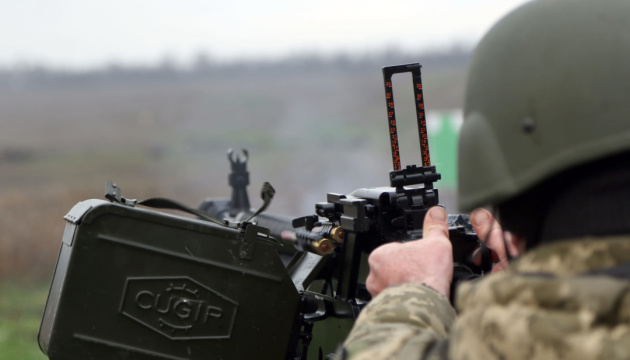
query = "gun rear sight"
{"x": 411, "y": 175}
{"x": 416, "y": 77}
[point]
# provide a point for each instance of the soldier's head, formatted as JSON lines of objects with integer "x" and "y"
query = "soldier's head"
{"x": 547, "y": 117}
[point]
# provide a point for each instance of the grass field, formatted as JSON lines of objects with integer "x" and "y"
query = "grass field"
{"x": 21, "y": 308}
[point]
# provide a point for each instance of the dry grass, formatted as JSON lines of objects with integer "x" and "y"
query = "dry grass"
{"x": 33, "y": 201}
{"x": 308, "y": 135}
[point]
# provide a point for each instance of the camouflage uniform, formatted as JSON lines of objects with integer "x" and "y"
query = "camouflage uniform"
{"x": 546, "y": 306}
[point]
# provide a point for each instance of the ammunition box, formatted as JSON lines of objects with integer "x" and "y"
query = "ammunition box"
{"x": 132, "y": 283}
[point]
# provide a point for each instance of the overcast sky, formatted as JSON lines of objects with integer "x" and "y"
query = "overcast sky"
{"x": 85, "y": 33}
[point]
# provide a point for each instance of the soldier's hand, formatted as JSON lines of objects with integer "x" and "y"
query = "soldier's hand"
{"x": 492, "y": 235}
{"x": 428, "y": 260}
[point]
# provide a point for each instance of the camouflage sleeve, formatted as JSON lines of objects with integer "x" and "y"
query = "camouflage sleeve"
{"x": 408, "y": 321}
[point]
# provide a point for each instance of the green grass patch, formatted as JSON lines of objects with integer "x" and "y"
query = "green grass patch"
{"x": 21, "y": 309}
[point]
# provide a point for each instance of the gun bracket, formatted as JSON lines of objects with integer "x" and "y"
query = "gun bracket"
{"x": 413, "y": 175}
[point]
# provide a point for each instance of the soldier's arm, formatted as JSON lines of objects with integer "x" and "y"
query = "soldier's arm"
{"x": 411, "y": 316}
{"x": 410, "y": 313}
{"x": 408, "y": 321}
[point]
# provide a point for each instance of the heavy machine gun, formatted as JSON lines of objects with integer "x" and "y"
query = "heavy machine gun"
{"x": 134, "y": 283}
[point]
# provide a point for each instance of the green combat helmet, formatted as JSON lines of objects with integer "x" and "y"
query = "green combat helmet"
{"x": 548, "y": 89}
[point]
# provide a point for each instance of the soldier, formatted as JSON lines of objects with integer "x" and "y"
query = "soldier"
{"x": 546, "y": 144}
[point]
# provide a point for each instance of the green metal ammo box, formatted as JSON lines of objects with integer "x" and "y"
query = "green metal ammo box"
{"x": 133, "y": 283}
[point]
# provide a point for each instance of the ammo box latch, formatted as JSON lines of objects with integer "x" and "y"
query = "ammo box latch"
{"x": 248, "y": 237}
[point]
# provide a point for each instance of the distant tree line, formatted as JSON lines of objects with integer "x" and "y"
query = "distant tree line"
{"x": 24, "y": 76}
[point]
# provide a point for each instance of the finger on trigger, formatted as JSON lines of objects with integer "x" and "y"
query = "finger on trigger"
{"x": 488, "y": 229}
{"x": 480, "y": 219}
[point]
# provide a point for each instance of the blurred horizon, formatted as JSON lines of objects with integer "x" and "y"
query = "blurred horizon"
{"x": 203, "y": 60}
{"x": 202, "y": 65}
{"x": 73, "y": 34}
